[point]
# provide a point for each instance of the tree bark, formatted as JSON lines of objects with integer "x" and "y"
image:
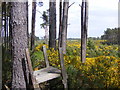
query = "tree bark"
{"x": 52, "y": 24}
{"x": 84, "y": 27}
{"x": 7, "y": 15}
{"x": 46, "y": 35}
{"x": 10, "y": 29}
{"x": 64, "y": 25}
{"x": 33, "y": 25}
{"x": 2, "y": 36}
{"x": 60, "y": 24}
{"x": 0, "y": 46}
{"x": 19, "y": 44}
{"x": 4, "y": 23}
{"x": 27, "y": 23}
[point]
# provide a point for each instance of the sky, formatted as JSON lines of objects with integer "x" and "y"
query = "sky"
{"x": 103, "y": 14}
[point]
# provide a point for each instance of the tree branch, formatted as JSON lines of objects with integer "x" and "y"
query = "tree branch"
{"x": 80, "y": 5}
{"x": 71, "y": 4}
{"x": 39, "y": 12}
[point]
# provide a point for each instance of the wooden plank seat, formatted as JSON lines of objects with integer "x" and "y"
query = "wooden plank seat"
{"x": 47, "y": 73}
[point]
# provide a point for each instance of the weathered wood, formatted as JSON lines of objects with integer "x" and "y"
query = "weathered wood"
{"x": 45, "y": 56}
{"x": 35, "y": 85}
{"x": 6, "y": 87}
{"x": 49, "y": 72}
{"x": 29, "y": 61}
{"x": 33, "y": 25}
{"x": 63, "y": 70}
{"x": 46, "y": 74}
{"x": 60, "y": 24}
{"x": 64, "y": 25}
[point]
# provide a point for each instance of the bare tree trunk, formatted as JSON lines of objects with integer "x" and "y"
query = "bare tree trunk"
{"x": 19, "y": 44}
{"x": 2, "y": 29}
{"x": 86, "y": 18}
{"x": 33, "y": 25}
{"x": 118, "y": 35}
{"x": 0, "y": 22}
{"x": 84, "y": 27}
{"x": 60, "y": 25}
{"x": 64, "y": 25}
{"x": 46, "y": 35}
{"x": 7, "y": 14}
{"x": 83, "y": 49}
{"x": 27, "y": 23}
{"x": 0, "y": 46}
{"x": 10, "y": 29}
{"x": 52, "y": 24}
{"x": 4, "y": 22}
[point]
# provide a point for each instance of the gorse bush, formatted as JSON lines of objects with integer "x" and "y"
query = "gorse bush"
{"x": 91, "y": 45}
{"x": 101, "y": 69}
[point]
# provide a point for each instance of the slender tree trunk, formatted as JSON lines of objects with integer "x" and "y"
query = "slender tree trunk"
{"x": 84, "y": 27}
{"x": 10, "y": 29}
{"x": 33, "y": 25}
{"x": 46, "y": 35}
{"x": 118, "y": 35}
{"x": 4, "y": 22}
{"x": 3, "y": 28}
{"x": 52, "y": 24}
{"x": 60, "y": 24}
{"x": 27, "y": 23}
{"x": 64, "y": 25}
{"x": 0, "y": 46}
{"x": 19, "y": 44}
{"x": 86, "y": 19}
{"x": 7, "y": 25}
{"x": 0, "y": 21}
{"x": 83, "y": 49}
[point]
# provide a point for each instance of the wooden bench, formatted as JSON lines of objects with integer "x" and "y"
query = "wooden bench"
{"x": 47, "y": 73}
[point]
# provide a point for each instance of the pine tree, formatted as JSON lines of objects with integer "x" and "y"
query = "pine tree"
{"x": 19, "y": 44}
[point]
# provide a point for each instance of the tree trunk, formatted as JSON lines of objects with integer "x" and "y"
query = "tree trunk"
{"x": 46, "y": 35}
{"x": 33, "y": 25}
{"x": 64, "y": 25}
{"x": 27, "y": 23}
{"x": 7, "y": 14}
{"x": 10, "y": 29}
{"x": 19, "y": 44}
{"x": 86, "y": 19}
{"x": 0, "y": 47}
{"x": 84, "y": 27}
{"x": 4, "y": 23}
{"x": 60, "y": 25}
{"x": 0, "y": 17}
{"x": 52, "y": 24}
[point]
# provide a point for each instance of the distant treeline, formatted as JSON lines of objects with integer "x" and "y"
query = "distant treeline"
{"x": 92, "y": 38}
{"x": 111, "y": 35}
